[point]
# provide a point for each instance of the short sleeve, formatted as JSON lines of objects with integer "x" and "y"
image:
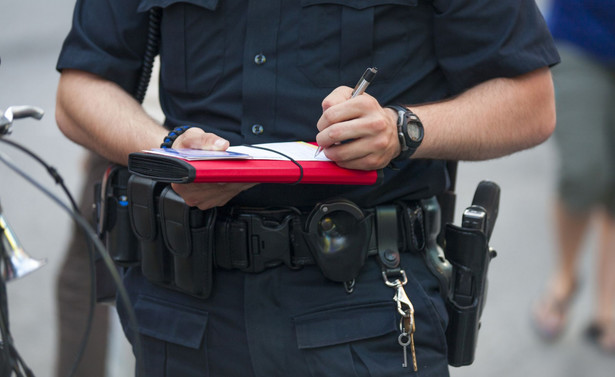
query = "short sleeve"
{"x": 107, "y": 38}
{"x": 477, "y": 40}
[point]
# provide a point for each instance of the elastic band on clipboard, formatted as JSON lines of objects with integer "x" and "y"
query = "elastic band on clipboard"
{"x": 286, "y": 156}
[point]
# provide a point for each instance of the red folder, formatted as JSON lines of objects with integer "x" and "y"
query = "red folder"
{"x": 176, "y": 170}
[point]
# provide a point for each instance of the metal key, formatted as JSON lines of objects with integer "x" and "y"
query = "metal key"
{"x": 406, "y": 323}
{"x": 404, "y": 341}
{"x": 407, "y": 338}
{"x": 413, "y": 351}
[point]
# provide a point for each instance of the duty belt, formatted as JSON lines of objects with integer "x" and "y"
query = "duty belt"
{"x": 253, "y": 240}
{"x": 179, "y": 246}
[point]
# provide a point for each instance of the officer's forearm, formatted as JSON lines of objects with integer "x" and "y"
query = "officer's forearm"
{"x": 102, "y": 117}
{"x": 493, "y": 119}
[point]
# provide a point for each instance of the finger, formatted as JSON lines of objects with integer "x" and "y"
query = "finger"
{"x": 196, "y": 138}
{"x": 338, "y": 95}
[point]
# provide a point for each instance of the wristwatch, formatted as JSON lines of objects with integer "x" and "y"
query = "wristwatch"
{"x": 409, "y": 131}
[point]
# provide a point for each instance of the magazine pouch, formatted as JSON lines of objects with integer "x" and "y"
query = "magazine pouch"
{"x": 188, "y": 235}
{"x": 156, "y": 260}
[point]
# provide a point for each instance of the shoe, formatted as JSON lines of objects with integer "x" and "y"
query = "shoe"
{"x": 550, "y": 316}
{"x": 602, "y": 336}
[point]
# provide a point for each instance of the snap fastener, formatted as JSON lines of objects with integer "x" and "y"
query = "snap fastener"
{"x": 258, "y": 129}
{"x": 260, "y": 59}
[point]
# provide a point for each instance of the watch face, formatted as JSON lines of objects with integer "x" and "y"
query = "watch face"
{"x": 414, "y": 131}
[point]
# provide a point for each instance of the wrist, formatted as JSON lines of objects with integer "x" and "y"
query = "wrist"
{"x": 409, "y": 132}
{"x": 169, "y": 139}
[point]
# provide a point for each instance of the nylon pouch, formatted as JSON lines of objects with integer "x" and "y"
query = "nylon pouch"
{"x": 338, "y": 236}
{"x": 113, "y": 220}
{"x": 156, "y": 260}
{"x": 468, "y": 252}
{"x": 188, "y": 235}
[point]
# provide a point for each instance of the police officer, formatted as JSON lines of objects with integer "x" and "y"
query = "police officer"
{"x": 473, "y": 75}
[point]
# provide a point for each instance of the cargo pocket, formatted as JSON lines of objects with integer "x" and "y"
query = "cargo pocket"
{"x": 172, "y": 337}
{"x": 352, "y": 341}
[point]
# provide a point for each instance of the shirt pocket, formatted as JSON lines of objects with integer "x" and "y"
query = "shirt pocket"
{"x": 360, "y": 338}
{"x": 339, "y": 39}
{"x": 172, "y": 336}
{"x": 192, "y": 44}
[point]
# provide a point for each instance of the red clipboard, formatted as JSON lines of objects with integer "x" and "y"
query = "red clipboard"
{"x": 176, "y": 170}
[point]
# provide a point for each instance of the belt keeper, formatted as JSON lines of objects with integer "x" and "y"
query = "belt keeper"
{"x": 387, "y": 236}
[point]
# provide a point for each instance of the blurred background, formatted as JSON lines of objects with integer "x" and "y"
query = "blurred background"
{"x": 31, "y": 33}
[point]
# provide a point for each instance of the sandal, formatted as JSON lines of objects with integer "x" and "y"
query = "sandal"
{"x": 602, "y": 336}
{"x": 550, "y": 316}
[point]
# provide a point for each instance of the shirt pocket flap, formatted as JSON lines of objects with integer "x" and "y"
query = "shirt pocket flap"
{"x": 359, "y": 4}
{"x": 342, "y": 325}
{"x": 177, "y": 324}
{"x": 146, "y": 5}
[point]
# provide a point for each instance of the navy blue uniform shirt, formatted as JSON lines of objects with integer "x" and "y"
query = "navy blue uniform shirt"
{"x": 257, "y": 71}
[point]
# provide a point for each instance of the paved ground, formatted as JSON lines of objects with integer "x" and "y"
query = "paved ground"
{"x": 31, "y": 35}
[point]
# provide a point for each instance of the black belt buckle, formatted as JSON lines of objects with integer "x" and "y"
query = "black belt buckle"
{"x": 267, "y": 242}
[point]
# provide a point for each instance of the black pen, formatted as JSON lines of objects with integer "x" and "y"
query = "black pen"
{"x": 359, "y": 89}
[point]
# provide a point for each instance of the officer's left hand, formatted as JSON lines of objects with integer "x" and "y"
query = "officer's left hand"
{"x": 206, "y": 195}
{"x": 357, "y": 133}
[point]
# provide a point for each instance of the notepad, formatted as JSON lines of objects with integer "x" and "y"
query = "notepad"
{"x": 286, "y": 162}
{"x": 296, "y": 150}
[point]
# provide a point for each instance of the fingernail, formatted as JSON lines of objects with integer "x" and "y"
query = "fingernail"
{"x": 219, "y": 144}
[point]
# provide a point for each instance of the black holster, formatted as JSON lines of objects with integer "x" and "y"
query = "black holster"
{"x": 468, "y": 252}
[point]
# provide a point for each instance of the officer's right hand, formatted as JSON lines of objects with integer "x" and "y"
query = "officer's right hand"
{"x": 206, "y": 195}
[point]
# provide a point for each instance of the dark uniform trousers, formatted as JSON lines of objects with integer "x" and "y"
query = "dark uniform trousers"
{"x": 284, "y": 322}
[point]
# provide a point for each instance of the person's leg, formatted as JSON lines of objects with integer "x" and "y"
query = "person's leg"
{"x": 551, "y": 311}
{"x": 602, "y": 326}
{"x": 73, "y": 296}
{"x": 583, "y": 176}
{"x": 570, "y": 231}
{"x": 605, "y": 309}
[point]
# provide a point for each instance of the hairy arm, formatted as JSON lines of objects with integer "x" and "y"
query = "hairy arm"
{"x": 492, "y": 119}
{"x": 101, "y": 116}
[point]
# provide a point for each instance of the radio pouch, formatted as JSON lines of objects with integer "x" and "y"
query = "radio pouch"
{"x": 188, "y": 235}
{"x": 113, "y": 228}
{"x": 113, "y": 217}
{"x": 156, "y": 260}
{"x": 468, "y": 252}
